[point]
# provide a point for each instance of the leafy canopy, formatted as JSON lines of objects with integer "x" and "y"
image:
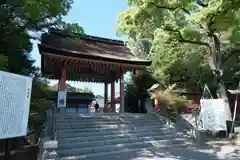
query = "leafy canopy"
{"x": 71, "y": 28}
{"x": 19, "y": 21}
{"x": 186, "y": 36}
{"x": 18, "y": 17}
{"x": 178, "y": 20}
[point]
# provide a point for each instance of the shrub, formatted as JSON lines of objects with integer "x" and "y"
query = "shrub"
{"x": 170, "y": 99}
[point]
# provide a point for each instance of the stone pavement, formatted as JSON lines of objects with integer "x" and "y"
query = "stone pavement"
{"x": 215, "y": 151}
{"x": 224, "y": 150}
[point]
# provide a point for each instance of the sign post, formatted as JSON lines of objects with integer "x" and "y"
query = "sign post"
{"x": 15, "y": 95}
{"x": 62, "y": 96}
{"x": 236, "y": 93}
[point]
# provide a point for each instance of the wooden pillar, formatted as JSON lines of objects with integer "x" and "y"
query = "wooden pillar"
{"x": 62, "y": 87}
{"x": 105, "y": 93}
{"x": 122, "y": 93}
{"x": 134, "y": 72}
{"x": 113, "y": 106}
{"x": 62, "y": 81}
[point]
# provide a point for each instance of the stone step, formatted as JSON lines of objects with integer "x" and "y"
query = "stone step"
{"x": 74, "y": 124}
{"x": 156, "y": 123}
{"x": 86, "y": 115}
{"x": 86, "y": 118}
{"x": 143, "y": 118}
{"x": 60, "y": 127}
{"x": 122, "y": 140}
{"x": 177, "y": 152}
{"x": 111, "y": 148}
{"x": 113, "y": 137}
{"x": 109, "y": 129}
{"x": 153, "y": 118}
{"x": 116, "y": 137}
{"x": 89, "y": 122}
{"x": 97, "y": 124}
{"x": 69, "y": 127}
{"x": 146, "y": 121}
{"x": 83, "y": 130}
{"x": 80, "y": 120}
{"x": 100, "y": 134}
{"x": 107, "y": 119}
{"x": 138, "y": 116}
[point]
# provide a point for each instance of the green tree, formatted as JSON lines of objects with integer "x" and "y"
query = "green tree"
{"x": 20, "y": 22}
{"x": 179, "y": 29}
{"x": 84, "y": 90}
{"x": 3, "y": 62}
{"x": 71, "y": 27}
{"x": 39, "y": 104}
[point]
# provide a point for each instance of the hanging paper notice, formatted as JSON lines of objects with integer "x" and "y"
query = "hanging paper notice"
{"x": 15, "y": 94}
{"x": 62, "y": 96}
{"x": 214, "y": 114}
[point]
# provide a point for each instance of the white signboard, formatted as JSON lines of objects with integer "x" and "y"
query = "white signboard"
{"x": 15, "y": 94}
{"x": 214, "y": 114}
{"x": 62, "y": 97}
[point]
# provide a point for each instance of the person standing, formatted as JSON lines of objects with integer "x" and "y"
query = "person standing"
{"x": 96, "y": 107}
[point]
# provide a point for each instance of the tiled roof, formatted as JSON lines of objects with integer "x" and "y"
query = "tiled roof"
{"x": 85, "y": 45}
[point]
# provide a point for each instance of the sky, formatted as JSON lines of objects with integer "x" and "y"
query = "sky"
{"x": 98, "y": 18}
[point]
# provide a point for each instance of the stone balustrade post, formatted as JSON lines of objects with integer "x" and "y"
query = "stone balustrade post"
{"x": 50, "y": 150}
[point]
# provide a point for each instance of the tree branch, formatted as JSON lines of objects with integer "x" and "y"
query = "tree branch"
{"x": 194, "y": 42}
{"x": 170, "y": 8}
{"x": 182, "y": 40}
{"x": 223, "y": 11}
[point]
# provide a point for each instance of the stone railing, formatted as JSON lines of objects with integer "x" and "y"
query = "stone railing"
{"x": 48, "y": 141}
{"x": 128, "y": 126}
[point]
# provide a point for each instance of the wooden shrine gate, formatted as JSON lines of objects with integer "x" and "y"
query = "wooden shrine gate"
{"x": 85, "y": 58}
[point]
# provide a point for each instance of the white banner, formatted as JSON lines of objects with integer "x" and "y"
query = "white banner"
{"x": 15, "y": 95}
{"x": 214, "y": 114}
{"x": 62, "y": 98}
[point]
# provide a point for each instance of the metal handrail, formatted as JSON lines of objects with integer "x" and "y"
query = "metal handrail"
{"x": 128, "y": 125}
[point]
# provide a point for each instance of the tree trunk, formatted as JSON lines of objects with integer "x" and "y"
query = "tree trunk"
{"x": 215, "y": 62}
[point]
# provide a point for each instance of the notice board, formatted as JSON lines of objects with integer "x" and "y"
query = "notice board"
{"x": 214, "y": 114}
{"x": 15, "y": 95}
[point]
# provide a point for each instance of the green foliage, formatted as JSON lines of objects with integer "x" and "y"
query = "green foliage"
{"x": 20, "y": 20}
{"x": 20, "y": 16}
{"x": 170, "y": 99}
{"x": 72, "y": 89}
{"x": 3, "y": 62}
{"x": 33, "y": 15}
{"x": 71, "y": 28}
{"x": 188, "y": 40}
{"x": 39, "y": 103}
{"x": 84, "y": 90}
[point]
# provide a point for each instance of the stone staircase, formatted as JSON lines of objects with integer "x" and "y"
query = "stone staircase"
{"x": 111, "y": 135}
